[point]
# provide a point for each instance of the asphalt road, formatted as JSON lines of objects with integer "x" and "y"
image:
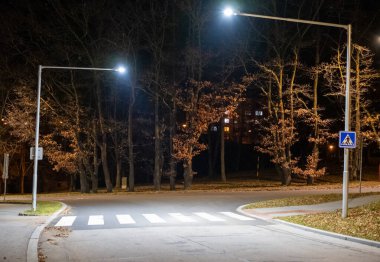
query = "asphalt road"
{"x": 191, "y": 226}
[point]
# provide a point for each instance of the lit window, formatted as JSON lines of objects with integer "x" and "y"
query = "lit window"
{"x": 214, "y": 128}
{"x": 227, "y": 129}
{"x": 227, "y": 120}
{"x": 258, "y": 113}
{"x": 248, "y": 113}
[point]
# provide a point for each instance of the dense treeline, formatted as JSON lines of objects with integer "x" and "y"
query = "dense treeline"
{"x": 187, "y": 68}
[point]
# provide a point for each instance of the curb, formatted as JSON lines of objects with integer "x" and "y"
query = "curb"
{"x": 32, "y": 251}
{"x": 315, "y": 230}
{"x": 331, "y": 234}
{"x": 241, "y": 208}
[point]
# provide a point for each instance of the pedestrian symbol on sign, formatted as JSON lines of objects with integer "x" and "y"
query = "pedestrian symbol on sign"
{"x": 347, "y": 139}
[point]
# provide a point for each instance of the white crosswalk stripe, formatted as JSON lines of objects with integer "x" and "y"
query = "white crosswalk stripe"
{"x": 66, "y": 221}
{"x": 153, "y": 218}
{"x": 237, "y": 216}
{"x": 125, "y": 219}
{"x": 182, "y": 218}
{"x": 209, "y": 217}
{"x": 96, "y": 220}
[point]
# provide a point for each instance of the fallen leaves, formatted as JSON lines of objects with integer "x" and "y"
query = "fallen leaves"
{"x": 363, "y": 222}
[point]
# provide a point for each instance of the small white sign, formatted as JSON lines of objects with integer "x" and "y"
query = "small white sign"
{"x": 6, "y": 166}
{"x": 39, "y": 153}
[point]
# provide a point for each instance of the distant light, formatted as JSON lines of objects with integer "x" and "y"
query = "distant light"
{"x": 258, "y": 113}
{"x": 229, "y": 12}
{"x": 184, "y": 125}
{"x": 121, "y": 69}
{"x": 331, "y": 147}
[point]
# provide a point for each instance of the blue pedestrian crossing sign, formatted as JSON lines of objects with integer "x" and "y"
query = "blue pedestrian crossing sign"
{"x": 347, "y": 139}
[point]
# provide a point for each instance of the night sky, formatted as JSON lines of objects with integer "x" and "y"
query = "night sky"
{"x": 164, "y": 44}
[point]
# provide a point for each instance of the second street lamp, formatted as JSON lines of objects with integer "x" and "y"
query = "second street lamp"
{"x": 231, "y": 12}
{"x": 119, "y": 69}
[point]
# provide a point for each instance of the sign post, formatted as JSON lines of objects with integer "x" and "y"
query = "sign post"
{"x": 5, "y": 172}
{"x": 347, "y": 140}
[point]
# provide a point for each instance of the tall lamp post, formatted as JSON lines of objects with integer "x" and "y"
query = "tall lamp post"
{"x": 37, "y": 134}
{"x": 231, "y": 12}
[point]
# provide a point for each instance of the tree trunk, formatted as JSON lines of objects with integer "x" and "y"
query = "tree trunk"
{"x": 23, "y": 170}
{"x": 315, "y": 152}
{"x": 95, "y": 170}
{"x": 171, "y": 148}
{"x": 188, "y": 174}
{"x": 209, "y": 151}
{"x": 286, "y": 176}
{"x": 103, "y": 144}
{"x": 83, "y": 182}
{"x": 106, "y": 171}
{"x": 131, "y": 179}
{"x": 157, "y": 147}
{"x": 222, "y": 152}
{"x": 239, "y": 141}
{"x": 94, "y": 177}
{"x": 118, "y": 172}
{"x": 356, "y": 152}
{"x": 72, "y": 187}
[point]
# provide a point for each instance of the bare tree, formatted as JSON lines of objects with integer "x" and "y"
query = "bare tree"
{"x": 363, "y": 76}
{"x": 202, "y": 104}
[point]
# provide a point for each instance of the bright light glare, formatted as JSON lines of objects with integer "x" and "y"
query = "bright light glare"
{"x": 228, "y": 11}
{"x": 121, "y": 69}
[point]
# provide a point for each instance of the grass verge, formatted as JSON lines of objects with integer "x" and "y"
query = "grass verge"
{"x": 363, "y": 222}
{"x": 44, "y": 208}
{"x": 304, "y": 200}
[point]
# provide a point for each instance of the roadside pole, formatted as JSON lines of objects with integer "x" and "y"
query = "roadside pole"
{"x": 361, "y": 165}
{"x": 347, "y": 140}
{"x": 5, "y": 172}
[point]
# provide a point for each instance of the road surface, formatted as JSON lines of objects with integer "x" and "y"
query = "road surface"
{"x": 186, "y": 226}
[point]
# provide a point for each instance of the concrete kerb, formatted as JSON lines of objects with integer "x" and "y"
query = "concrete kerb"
{"x": 331, "y": 234}
{"x": 32, "y": 251}
{"x": 367, "y": 242}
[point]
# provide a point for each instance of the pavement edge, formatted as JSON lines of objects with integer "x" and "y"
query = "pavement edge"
{"x": 315, "y": 230}
{"x": 32, "y": 251}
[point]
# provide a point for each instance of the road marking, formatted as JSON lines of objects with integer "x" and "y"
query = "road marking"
{"x": 237, "y": 216}
{"x": 181, "y": 217}
{"x": 95, "y": 220}
{"x": 125, "y": 219}
{"x": 66, "y": 221}
{"x": 153, "y": 218}
{"x": 209, "y": 217}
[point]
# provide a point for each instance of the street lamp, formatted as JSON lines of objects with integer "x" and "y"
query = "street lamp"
{"x": 229, "y": 12}
{"x": 119, "y": 69}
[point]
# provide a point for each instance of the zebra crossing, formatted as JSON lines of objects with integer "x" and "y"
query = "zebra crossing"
{"x": 151, "y": 218}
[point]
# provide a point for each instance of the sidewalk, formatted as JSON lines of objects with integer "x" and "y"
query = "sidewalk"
{"x": 15, "y": 231}
{"x": 270, "y": 213}
{"x": 19, "y": 235}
